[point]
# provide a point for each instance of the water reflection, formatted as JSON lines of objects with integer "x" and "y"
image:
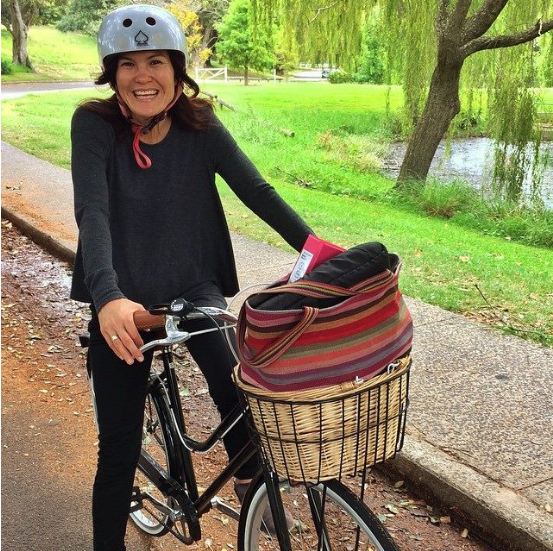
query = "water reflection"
{"x": 471, "y": 160}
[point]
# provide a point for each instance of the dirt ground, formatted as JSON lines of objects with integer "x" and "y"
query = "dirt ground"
{"x": 49, "y": 443}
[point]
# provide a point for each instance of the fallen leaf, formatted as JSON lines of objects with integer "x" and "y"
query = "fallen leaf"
{"x": 434, "y": 520}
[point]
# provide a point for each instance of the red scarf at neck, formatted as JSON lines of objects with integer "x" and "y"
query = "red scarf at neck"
{"x": 141, "y": 158}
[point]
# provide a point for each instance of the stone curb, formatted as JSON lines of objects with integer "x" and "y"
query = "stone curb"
{"x": 488, "y": 507}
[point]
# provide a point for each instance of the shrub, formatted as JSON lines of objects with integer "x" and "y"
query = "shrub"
{"x": 363, "y": 78}
{"x": 7, "y": 66}
{"x": 469, "y": 123}
{"x": 461, "y": 203}
{"x": 447, "y": 200}
{"x": 339, "y": 77}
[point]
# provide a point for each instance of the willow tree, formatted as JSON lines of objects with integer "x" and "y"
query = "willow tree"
{"x": 432, "y": 81}
{"x": 427, "y": 44}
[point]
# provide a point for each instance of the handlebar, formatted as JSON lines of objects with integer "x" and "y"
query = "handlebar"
{"x": 167, "y": 316}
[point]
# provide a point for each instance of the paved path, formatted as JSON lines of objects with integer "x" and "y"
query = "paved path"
{"x": 481, "y": 414}
{"x": 15, "y": 90}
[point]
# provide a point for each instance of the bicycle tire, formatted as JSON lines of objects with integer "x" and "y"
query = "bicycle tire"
{"x": 343, "y": 514}
{"x": 158, "y": 443}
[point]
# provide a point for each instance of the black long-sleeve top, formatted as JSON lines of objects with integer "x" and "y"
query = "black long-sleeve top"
{"x": 149, "y": 235}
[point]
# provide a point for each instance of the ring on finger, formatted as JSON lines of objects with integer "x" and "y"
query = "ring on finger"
{"x": 114, "y": 338}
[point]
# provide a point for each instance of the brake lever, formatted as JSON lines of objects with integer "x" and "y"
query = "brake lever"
{"x": 173, "y": 335}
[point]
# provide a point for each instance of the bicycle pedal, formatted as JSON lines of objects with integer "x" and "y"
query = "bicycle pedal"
{"x": 136, "y": 507}
{"x": 136, "y": 499}
{"x": 216, "y": 503}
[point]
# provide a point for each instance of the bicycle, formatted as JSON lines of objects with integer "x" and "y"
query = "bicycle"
{"x": 167, "y": 499}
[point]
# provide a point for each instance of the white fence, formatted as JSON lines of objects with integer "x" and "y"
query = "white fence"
{"x": 203, "y": 75}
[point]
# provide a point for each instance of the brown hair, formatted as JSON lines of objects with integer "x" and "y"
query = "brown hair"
{"x": 189, "y": 112}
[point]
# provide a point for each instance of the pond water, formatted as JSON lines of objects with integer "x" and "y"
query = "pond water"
{"x": 471, "y": 160}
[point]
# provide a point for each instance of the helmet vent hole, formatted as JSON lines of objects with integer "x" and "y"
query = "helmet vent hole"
{"x": 151, "y": 21}
{"x": 127, "y": 22}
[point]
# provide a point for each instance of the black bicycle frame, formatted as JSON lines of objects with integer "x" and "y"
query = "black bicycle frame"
{"x": 185, "y": 485}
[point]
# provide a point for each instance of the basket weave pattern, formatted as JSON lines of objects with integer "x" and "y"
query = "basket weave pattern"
{"x": 329, "y": 432}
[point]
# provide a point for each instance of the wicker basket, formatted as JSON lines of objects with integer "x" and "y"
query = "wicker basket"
{"x": 329, "y": 432}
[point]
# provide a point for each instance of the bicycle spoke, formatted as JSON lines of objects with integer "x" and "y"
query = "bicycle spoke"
{"x": 326, "y": 518}
{"x": 147, "y": 517}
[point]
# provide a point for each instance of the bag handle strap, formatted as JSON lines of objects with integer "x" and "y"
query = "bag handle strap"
{"x": 317, "y": 289}
{"x": 281, "y": 345}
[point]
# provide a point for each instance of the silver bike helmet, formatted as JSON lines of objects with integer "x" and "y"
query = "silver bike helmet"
{"x": 139, "y": 27}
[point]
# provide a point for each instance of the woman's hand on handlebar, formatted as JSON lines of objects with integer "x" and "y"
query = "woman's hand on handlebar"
{"x": 118, "y": 328}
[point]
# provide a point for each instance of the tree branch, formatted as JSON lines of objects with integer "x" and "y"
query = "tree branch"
{"x": 481, "y": 20}
{"x": 318, "y": 11}
{"x": 441, "y": 17}
{"x": 505, "y": 41}
{"x": 458, "y": 15}
{"x": 443, "y": 5}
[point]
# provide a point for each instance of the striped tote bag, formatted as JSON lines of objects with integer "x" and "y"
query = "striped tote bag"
{"x": 367, "y": 328}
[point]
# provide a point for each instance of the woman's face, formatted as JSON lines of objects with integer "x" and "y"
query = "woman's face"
{"x": 145, "y": 82}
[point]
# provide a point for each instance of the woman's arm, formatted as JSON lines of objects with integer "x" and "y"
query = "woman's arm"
{"x": 251, "y": 188}
{"x": 92, "y": 142}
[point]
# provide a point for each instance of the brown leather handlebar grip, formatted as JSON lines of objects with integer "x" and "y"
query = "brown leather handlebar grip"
{"x": 145, "y": 321}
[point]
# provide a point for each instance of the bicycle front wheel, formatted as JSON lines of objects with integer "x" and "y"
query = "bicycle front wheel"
{"x": 327, "y": 517}
{"x": 156, "y": 449}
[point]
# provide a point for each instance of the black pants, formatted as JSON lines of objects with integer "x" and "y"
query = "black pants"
{"x": 119, "y": 392}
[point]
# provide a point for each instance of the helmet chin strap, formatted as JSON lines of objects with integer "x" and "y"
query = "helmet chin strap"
{"x": 142, "y": 160}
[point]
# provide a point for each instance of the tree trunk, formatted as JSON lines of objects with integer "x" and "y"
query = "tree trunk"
{"x": 19, "y": 53}
{"x": 246, "y": 75}
{"x": 441, "y": 107}
{"x": 206, "y": 41}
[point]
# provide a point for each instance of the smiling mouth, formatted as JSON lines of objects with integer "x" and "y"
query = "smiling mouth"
{"x": 145, "y": 94}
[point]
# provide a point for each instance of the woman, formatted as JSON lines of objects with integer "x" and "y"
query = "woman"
{"x": 151, "y": 229}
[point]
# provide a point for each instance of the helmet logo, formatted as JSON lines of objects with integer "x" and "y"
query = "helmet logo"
{"x": 141, "y": 39}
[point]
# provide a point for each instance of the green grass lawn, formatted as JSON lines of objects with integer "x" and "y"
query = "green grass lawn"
{"x": 55, "y": 56}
